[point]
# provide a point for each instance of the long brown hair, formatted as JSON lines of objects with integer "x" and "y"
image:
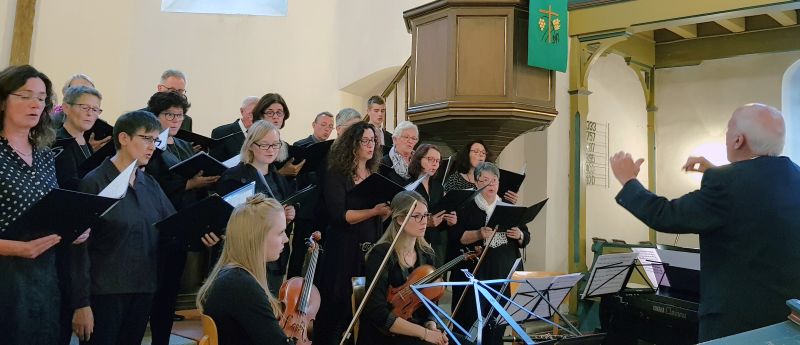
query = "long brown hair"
{"x": 246, "y": 230}
{"x": 13, "y": 78}
{"x": 342, "y": 157}
{"x": 401, "y": 206}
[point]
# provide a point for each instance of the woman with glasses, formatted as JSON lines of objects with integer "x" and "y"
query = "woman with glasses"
{"x": 170, "y": 109}
{"x": 273, "y": 109}
{"x": 59, "y": 112}
{"x": 378, "y": 323}
{"x": 502, "y": 247}
{"x": 425, "y": 162}
{"x": 81, "y": 108}
{"x": 462, "y": 175}
{"x": 29, "y": 312}
{"x": 260, "y": 149}
{"x": 354, "y": 226}
{"x": 394, "y": 165}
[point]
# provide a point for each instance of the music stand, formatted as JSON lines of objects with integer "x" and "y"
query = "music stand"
{"x": 611, "y": 273}
{"x": 544, "y": 296}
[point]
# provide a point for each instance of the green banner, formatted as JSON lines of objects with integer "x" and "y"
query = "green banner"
{"x": 548, "y": 41}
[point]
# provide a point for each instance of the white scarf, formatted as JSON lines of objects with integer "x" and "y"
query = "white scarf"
{"x": 499, "y": 238}
{"x": 398, "y": 163}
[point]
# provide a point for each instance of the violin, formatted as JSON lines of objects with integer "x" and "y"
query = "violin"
{"x": 403, "y": 299}
{"x": 301, "y": 298}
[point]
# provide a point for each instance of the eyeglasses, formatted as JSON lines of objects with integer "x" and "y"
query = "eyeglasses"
{"x": 366, "y": 142}
{"x": 172, "y": 116}
{"x": 488, "y": 181}
{"x": 410, "y": 138}
{"x": 87, "y": 107}
{"x": 478, "y": 152}
{"x": 276, "y": 114}
{"x": 265, "y": 147}
{"x": 172, "y": 89}
{"x": 150, "y": 140}
{"x": 433, "y": 160}
{"x": 420, "y": 217}
{"x": 29, "y": 97}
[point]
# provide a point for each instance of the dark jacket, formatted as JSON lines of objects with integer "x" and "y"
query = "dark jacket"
{"x": 746, "y": 214}
{"x": 231, "y": 146}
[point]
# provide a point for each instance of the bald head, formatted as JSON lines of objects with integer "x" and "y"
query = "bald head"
{"x": 755, "y": 130}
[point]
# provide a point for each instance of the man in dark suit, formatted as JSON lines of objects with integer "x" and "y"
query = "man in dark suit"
{"x": 321, "y": 127}
{"x": 376, "y": 111}
{"x": 746, "y": 215}
{"x": 233, "y": 145}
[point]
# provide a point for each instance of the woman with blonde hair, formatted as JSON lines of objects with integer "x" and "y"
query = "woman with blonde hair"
{"x": 259, "y": 152}
{"x": 235, "y": 295}
{"x": 379, "y": 325}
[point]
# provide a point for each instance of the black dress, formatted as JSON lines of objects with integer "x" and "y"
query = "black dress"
{"x": 68, "y": 161}
{"x": 241, "y": 310}
{"x": 496, "y": 265}
{"x": 436, "y": 236}
{"x": 29, "y": 295}
{"x": 277, "y": 187}
{"x": 343, "y": 256}
{"x": 377, "y": 317}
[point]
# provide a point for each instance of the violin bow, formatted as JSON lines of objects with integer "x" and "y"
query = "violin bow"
{"x": 474, "y": 271}
{"x": 347, "y": 332}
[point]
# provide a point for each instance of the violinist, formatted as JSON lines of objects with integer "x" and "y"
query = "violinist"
{"x": 378, "y": 323}
{"x": 235, "y": 295}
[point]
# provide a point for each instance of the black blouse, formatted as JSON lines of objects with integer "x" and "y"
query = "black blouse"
{"x": 378, "y": 316}
{"x": 68, "y": 161}
{"x": 241, "y": 310}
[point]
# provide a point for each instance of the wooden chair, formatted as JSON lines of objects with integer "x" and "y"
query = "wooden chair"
{"x": 359, "y": 290}
{"x": 210, "y": 336}
{"x": 536, "y": 274}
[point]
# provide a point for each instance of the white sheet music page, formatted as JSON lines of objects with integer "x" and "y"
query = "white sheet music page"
{"x": 609, "y": 279}
{"x": 556, "y": 289}
{"x": 119, "y": 186}
{"x": 240, "y": 195}
{"x": 648, "y": 257}
{"x": 163, "y": 136}
{"x": 413, "y": 185}
{"x": 233, "y": 161}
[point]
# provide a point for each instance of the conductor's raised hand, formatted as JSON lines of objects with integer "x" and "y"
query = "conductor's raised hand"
{"x": 624, "y": 168}
{"x": 698, "y": 164}
{"x": 290, "y": 169}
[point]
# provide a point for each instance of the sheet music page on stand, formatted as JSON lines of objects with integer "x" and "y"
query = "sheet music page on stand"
{"x": 119, "y": 186}
{"x": 654, "y": 273}
{"x": 608, "y": 280}
{"x": 560, "y": 287}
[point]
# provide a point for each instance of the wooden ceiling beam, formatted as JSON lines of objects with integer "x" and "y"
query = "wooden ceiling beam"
{"x": 732, "y": 24}
{"x": 685, "y": 31}
{"x": 785, "y": 18}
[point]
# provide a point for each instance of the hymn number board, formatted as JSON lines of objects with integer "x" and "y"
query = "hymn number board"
{"x": 596, "y": 168}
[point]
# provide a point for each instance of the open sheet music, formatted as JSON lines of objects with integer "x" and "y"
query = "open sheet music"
{"x": 553, "y": 289}
{"x": 233, "y": 161}
{"x": 609, "y": 274}
{"x": 651, "y": 262}
{"x": 119, "y": 186}
{"x": 163, "y": 137}
{"x": 240, "y": 195}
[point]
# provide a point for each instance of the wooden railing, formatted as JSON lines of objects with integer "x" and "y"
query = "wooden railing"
{"x": 396, "y": 96}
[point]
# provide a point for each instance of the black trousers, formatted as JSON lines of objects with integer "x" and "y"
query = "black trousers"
{"x": 171, "y": 262}
{"x": 302, "y": 230}
{"x": 120, "y": 319}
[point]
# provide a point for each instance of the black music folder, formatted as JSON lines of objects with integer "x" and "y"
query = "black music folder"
{"x": 96, "y": 158}
{"x": 191, "y": 223}
{"x": 201, "y": 161}
{"x": 101, "y": 130}
{"x": 455, "y": 200}
{"x": 376, "y": 189}
{"x": 300, "y": 197}
{"x": 314, "y": 155}
{"x": 202, "y": 140}
{"x": 63, "y": 212}
{"x": 509, "y": 181}
{"x": 444, "y": 169}
{"x": 509, "y": 216}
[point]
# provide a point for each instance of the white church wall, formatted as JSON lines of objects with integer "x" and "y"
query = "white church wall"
{"x": 617, "y": 99}
{"x": 790, "y": 105}
{"x": 7, "y": 11}
{"x": 694, "y": 105}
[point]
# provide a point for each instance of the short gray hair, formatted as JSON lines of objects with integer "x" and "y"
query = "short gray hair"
{"x": 761, "y": 139}
{"x": 346, "y": 115}
{"x": 488, "y": 167}
{"x": 402, "y": 127}
{"x": 324, "y": 113}
{"x": 73, "y": 93}
{"x": 75, "y": 77}
{"x": 172, "y": 73}
{"x": 248, "y": 100}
